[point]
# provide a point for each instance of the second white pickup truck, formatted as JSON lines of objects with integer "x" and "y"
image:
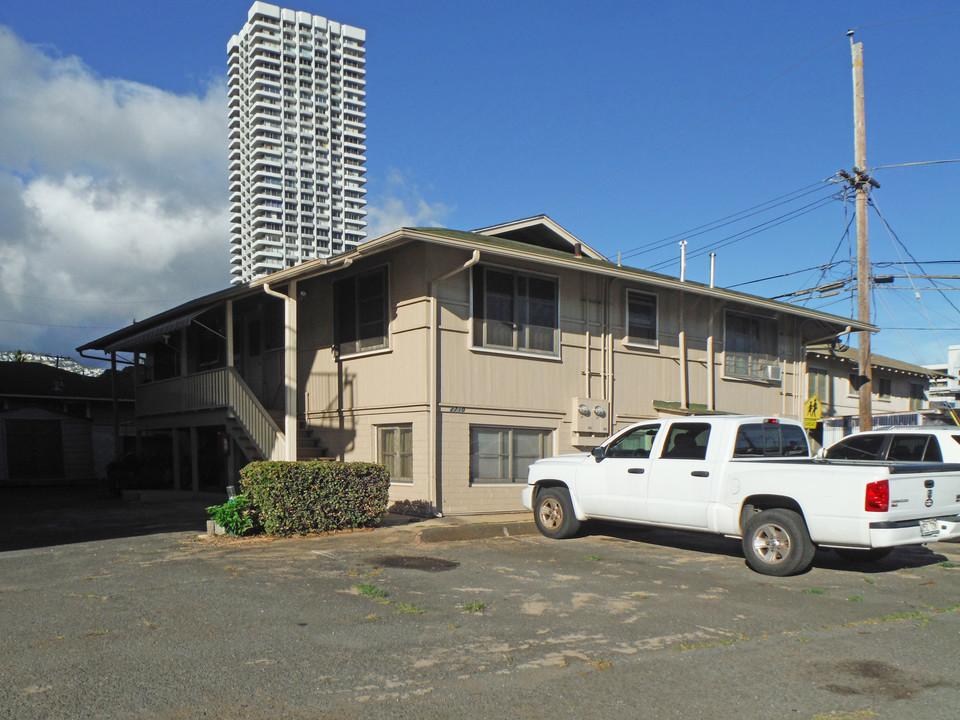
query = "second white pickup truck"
{"x": 751, "y": 478}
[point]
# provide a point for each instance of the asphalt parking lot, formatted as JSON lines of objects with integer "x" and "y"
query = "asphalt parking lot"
{"x": 457, "y": 618}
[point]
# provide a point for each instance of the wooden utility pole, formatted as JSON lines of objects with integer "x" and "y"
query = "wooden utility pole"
{"x": 862, "y": 184}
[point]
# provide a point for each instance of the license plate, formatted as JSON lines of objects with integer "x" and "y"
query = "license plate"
{"x": 929, "y": 527}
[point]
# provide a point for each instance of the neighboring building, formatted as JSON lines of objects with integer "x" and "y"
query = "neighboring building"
{"x": 945, "y": 388}
{"x": 297, "y": 145}
{"x": 57, "y": 426}
{"x": 457, "y": 358}
{"x": 898, "y": 395}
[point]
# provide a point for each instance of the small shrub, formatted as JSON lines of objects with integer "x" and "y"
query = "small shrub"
{"x": 233, "y": 516}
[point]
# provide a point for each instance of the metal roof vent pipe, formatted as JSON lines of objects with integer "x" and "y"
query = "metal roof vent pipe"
{"x": 683, "y": 260}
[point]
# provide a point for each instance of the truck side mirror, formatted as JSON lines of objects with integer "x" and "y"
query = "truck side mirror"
{"x": 599, "y": 453}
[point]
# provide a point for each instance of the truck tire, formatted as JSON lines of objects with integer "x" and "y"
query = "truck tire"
{"x": 869, "y": 555}
{"x": 553, "y": 513}
{"x": 776, "y": 542}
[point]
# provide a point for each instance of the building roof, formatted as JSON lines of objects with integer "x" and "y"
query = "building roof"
{"x": 32, "y": 379}
{"x": 541, "y": 231}
{"x": 850, "y": 355}
{"x": 536, "y": 239}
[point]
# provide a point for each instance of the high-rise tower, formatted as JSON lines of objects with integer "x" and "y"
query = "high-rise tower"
{"x": 297, "y": 152}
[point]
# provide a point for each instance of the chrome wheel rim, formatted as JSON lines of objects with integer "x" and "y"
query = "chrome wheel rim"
{"x": 771, "y": 543}
{"x": 551, "y": 513}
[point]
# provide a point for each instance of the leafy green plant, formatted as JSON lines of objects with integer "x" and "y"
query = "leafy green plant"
{"x": 296, "y": 498}
{"x": 234, "y": 515}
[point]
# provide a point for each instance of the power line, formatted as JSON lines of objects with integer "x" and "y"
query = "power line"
{"x": 727, "y": 220}
{"x": 787, "y": 274}
{"x": 751, "y": 231}
{"x": 73, "y": 327}
{"x": 912, "y": 164}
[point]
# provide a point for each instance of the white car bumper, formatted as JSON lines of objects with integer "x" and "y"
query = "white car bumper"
{"x": 527, "y": 497}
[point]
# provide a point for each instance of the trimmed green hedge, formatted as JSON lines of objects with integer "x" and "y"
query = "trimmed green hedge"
{"x": 295, "y": 498}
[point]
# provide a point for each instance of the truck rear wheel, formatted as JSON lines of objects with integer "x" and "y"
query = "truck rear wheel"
{"x": 553, "y": 513}
{"x": 776, "y": 542}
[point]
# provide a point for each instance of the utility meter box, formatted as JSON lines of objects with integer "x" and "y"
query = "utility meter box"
{"x": 590, "y": 416}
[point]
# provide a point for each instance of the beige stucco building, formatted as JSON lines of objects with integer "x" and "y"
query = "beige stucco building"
{"x": 897, "y": 396}
{"x": 457, "y": 358}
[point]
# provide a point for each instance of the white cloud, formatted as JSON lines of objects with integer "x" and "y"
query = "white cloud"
{"x": 113, "y": 200}
{"x": 113, "y": 197}
{"x": 402, "y": 205}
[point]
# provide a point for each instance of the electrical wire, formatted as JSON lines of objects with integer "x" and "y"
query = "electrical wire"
{"x": 727, "y": 220}
{"x": 751, "y": 231}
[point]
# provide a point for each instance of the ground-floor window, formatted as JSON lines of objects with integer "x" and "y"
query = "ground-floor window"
{"x": 503, "y": 454}
{"x": 395, "y": 450}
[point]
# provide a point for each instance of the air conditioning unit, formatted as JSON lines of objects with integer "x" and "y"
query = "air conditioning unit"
{"x": 773, "y": 372}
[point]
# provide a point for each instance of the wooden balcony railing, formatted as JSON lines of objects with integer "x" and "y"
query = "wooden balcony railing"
{"x": 222, "y": 389}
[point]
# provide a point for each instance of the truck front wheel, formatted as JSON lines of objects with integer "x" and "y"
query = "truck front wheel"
{"x": 553, "y": 513}
{"x": 776, "y": 542}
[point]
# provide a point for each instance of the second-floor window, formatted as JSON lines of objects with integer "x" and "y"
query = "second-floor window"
{"x": 751, "y": 347}
{"x": 361, "y": 311}
{"x": 515, "y": 311}
{"x": 641, "y": 319}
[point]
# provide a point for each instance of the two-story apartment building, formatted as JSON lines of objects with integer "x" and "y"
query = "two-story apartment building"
{"x": 457, "y": 358}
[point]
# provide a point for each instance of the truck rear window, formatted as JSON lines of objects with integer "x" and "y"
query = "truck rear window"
{"x": 770, "y": 440}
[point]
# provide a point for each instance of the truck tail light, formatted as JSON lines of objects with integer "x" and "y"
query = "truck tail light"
{"x": 877, "y": 496}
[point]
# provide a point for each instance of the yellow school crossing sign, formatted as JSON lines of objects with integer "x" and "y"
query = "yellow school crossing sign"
{"x": 812, "y": 412}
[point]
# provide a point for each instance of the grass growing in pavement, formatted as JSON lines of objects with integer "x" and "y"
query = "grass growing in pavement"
{"x": 407, "y": 609}
{"x": 474, "y": 607}
{"x": 372, "y": 591}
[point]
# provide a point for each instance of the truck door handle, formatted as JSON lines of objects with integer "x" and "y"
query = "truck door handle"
{"x": 700, "y": 473}
{"x": 635, "y": 471}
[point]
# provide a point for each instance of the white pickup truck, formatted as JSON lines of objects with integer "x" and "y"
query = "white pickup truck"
{"x": 750, "y": 478}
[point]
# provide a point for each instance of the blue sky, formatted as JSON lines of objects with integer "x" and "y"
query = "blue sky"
{"x": 632, "y": 124}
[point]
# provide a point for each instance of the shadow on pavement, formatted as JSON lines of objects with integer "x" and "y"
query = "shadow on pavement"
{"x": 47, "y": 516}
{"x": 910, "y": 556}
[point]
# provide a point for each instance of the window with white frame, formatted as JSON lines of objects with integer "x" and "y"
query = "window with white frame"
{"x": 818, "y": 383}
{"x": 503, "y": 454}
{"x": 395, "y": 451}
{"x": 751, "y": 347}
{"x": 360, "y": 303}
{"x": 641, "y": 319}
{"x": 515, "y": 311}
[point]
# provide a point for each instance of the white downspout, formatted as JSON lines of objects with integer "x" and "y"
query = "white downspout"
{"x": 682, "y": 337}
{"x": 711, "y": 368}
{"x": 289, "y": 366}
{"x": 433, "y": 480}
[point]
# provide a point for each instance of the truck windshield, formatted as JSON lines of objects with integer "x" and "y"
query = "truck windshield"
{"x": 770, "y": 440}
